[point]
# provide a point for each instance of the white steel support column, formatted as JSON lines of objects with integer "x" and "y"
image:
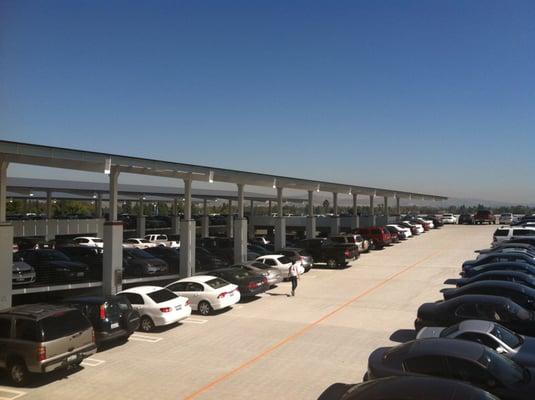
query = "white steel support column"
{"x": 49, "y": 211}
{"x": 335, "y": 219}
{"x": 187, "y": 235}
{"x": 205, "y": 219}
{"x": 112, "y": 262}
{"x": 355, "y": 217}
{"x": 230, "y": 220}
{"x": 311, "y": 219}
{"x": 240, "y": 230}
{"x": 280, "y": 222}
{"x": 114, "y": 183}
{"x": 175, "y": 218}
{"x": 6, "y": 244}
{"x": 141, "y": 219}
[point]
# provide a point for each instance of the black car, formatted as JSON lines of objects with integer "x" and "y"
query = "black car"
{"x": 461, "y": 360}
{"x": 298, "y": 255}
{"x": 501, "y": 256}
{"x": 510, "y": 276}
{"x": 437, "y": 221}
{"x": 471, "y": 306}
{"x": 206, "y": 261}
{"x": 137, "y": 262}
{"x": 170, "y": 255}
{"x": 466, "y": 219}
{"x": 407, "y": 388}
{"x": 524, "y": 240}
{"x": 506, "y": 244}
{"x": 498, "y": 266}
{"x": 91, "y": 256}
{"x": 112, "y": 317}
{"x": 520, "y": 294}
{"x": 52, "y": 266}
{"x": 249, "y": 284}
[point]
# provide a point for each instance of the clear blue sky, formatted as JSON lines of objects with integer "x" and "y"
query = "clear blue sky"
{"x": 431, "y": 96}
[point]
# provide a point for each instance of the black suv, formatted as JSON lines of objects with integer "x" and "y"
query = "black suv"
{"x": 112, "y": 317}
{"x": 39, "y": 338}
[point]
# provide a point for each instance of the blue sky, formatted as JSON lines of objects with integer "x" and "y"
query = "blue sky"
{"x": 430, "y": 96}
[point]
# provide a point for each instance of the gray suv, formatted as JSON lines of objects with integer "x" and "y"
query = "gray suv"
{"x": 40, "y": 338}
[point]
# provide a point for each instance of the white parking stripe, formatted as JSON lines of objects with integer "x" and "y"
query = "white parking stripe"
{"x": 143, "y": 338}
{"x": 193, "y": 320}
{"x": 10, "y": 394}
{"x": 92, "y": 362}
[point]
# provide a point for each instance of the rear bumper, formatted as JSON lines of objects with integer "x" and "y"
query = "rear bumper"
{"x": 115, "y": 334}
{"x": 172, "y": 317}
{"x": 64, "y": 360}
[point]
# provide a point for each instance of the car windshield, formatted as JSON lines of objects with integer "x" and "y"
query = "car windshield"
{"x": 159, "y": 296}
{"x": 502, "y": 368}
{"x": 138, "y": 253}
{"x": 511, "y": 339}
{"x": 216, "y": 283}
{"x": 448, "y": 331}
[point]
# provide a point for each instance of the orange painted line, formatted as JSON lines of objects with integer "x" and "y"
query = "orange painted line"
{"x": 302, "y": 331}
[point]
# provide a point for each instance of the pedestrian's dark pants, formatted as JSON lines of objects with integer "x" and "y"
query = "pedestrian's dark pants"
{"x": 294, "y": 282}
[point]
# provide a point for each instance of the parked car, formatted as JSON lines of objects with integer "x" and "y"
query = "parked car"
{"x": 507, "y": 232}
{"x": 162, "y": 240}
{"x": 507, "y": 244}
{"x": 273, "y": 275}
{"x": 506, "y": 218}
{"x": 520, "y": 294}
{"x": 395, "y": 234}
{"x": 300, "y": 256}
{"x": 157, "y": 306}
{"x": 261, "y": 240}
{"x": 137, "y": 262}
{"x": 403, "y": 233}
{"x": 333, "y": 254}
{"x": 517, "y": 347}
{"x": 518, "y": 240}
{"x": 505, "y": 275}
{"x": 23, "y": 273}
{"x": 89, "y": 241}
{"x": 498, "y": 266}
{"x": 508, "y": 255}
{"x": 484, "y": 216}
{"x": 466, "y": 219}
{"x": 436, "y": 220}
{"x": 489, "y": 308}
{"x": 170, "y": 255}
{"x": 280, "y": 262}
{"x": 112, "y": 317}
{"x": 456, "y": 359}
{"x": 206, "y": 261}
{"x": 362, "y": 244}
{"x": 206, "y": 293}
{"x": 407, "y": 388}
{"x": 257, "y": 249}
{"x": 249, "y": 284}
{"x": 90, "y": 256}
{"x": 138, "y": 243}
{"x": 416, "y": 229}
{"x": 54, "y": 266}
{"x": 378, "y": 236}
{"x": 448, "y": 218}
{"x": 40, "y": 338}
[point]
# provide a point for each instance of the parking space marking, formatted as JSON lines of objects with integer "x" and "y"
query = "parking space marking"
{"x": 92, "y": 362}
{"x": 305, "y": 329}
{"x": 10, "y": 394}
{"x": 193, "y": 320}
{"x": 142, "y": 338}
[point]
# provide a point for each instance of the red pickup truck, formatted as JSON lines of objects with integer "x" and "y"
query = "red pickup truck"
{"x": 378, "y": 236}
{"x": 484, "y": 216}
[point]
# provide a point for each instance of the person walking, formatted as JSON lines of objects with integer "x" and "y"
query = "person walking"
{"x": 293, "y": 272}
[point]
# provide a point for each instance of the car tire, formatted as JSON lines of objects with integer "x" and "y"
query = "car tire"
{"x": 146, "y": 324}
{"x": 18, "y": 373}
{"x": 204, "y": 308}
{"x": 331, "y": 263}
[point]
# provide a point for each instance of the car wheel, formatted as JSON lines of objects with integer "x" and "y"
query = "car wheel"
{"x": 18, "y": 373}
{"x": 331, "y": 263}
{"x": 146, "y": 324}
{"x": 204, "y": 308}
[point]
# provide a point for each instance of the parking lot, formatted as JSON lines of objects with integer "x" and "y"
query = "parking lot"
{"x": 278, "y": 346}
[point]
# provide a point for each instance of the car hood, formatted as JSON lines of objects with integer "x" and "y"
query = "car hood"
{"x": 21, "y": 266}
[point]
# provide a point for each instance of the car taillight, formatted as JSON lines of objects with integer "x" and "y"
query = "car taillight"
{"x": 41, "y": 353}
{"x": 102, "y": 312}
{"x": 346, "y": 253}
{"x": 222, "y": 295}
{"x": 252, "y": 285}
{"x": 165, "y": 309}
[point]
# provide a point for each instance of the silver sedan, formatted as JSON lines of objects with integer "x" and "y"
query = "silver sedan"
{"x": 272, "y": 275}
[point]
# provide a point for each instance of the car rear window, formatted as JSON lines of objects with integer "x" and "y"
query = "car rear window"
{"x": 216, "y": 283}
{"x": 501, "y": 232}
{"x": 159, "y": 296}
{"x": 62, "y": 324}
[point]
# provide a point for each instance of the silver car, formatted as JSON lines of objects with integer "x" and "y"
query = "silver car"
{"x": 517, "y": 347}
{"x": 23, "y": 273}
{"x": 272, "y": 275}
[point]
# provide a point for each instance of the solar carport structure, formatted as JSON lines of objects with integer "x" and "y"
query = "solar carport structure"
{"x": 185, "y": 174}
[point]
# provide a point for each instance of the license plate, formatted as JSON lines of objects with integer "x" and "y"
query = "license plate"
{"x": 114, "y": 325}
{"x": 72, "y": 358}
{"x": 178, "y": 307}
{"x": 79, "y": 274}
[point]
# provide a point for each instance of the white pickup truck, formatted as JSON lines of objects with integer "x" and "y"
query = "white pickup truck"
{"x": 162, "y": 240}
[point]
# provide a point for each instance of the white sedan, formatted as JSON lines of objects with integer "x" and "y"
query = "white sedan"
{"x": 138, "y": 243}
{"x": 157, "y": 306}
{"x": 407, "y": 231}
{"x": 448, "y": 218}
{"x": 280, "y": 262}
{"x": 206, "y": 293}
{"x": 89, "y": 241}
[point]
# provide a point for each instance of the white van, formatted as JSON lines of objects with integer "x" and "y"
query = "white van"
{"x": 511, "y": 232}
